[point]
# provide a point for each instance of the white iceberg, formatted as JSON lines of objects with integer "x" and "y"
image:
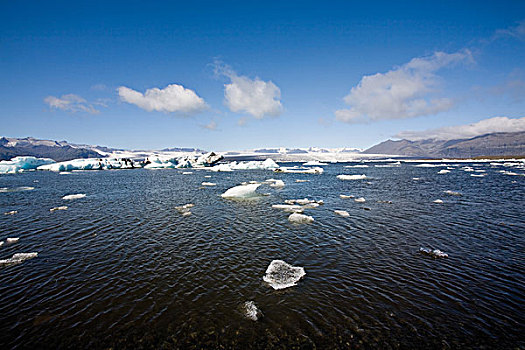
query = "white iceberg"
{"x": 290, "y": 208}
{"x": 351, "y": 177}
{"x": 184, "y": 210}
{"x": 12, "y": 240}
{"x": 297, "y": 218}
{"x": 280, "y": 275}
{"x": 209, "y": 184}
{"x": 74, "y": 196}
{"x": 91, "y": 164}
{"x": 452, "y": 193}
{"x": 276, "y": 183}
{"x": 342, "y": 213}
{"x": 299, "y": 170}
{"x": 360, "y": 200}
{"x": 251, "y": 311}
{"x": 300, "y": 180}
{"x": 242, "y": 191}
{"x": 18, "y": 258}
{"x": 16, "y": 189}
{"x": 19, "y": 164}
{"x": 344, "y": 196}
{"x": 438, "y": 201}
{"x": 477, "y": 175}
{"x": 12, "y": 212}
{"x": 443, "y": 171}
{"x": 268, "y": 164}
{"x": 436, "y": 253}
{"x": 58, "y": 208}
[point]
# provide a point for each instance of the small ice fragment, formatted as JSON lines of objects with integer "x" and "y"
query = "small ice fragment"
{"x": 344, "y": 196}
{"x": 12, "y": 212}
{"x": 351, "y": 177}
{"x": 452, "y": 193}
{"x": 290, "y": 208}
{"x": 343, "y": 213}
{"x": 186, "y": 213}
{"x": 299, "y": 180}
{"x": 439, "y": 201}
{"x": 477, "y": 175}
{"x": 416, "y": 178}
{"x": 314, "y": 163}
{"x": 360, "y": 200}
{"x": 300, "y": 218}
{"x": 281, "y": 275}
{"x": 311, "y": 205}
{"x": 277, "y": 183}
{"x": 436, "y": 253}
{"x": 185, "y": 206}
{"x": 207, "y": 176}
{"x": 65, "y": 173}
{"x": 12, "y": 240}
{"x": 444, "y": 171}
{"x": 58, "y": 208}
{"x": 18, "y": 258}
{"x": 1, "y": 244}
{"x": 251, "y": 311}
{"x": 208, "y": 184}
{"x": 242, "y": 191}
{"x": 187, "y": 172}
{"x": 74, "y": 196}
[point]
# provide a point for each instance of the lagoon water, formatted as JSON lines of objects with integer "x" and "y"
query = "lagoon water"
{"x": 122, "y": 268}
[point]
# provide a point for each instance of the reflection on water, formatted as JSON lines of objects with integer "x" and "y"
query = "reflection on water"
{"x": 123, "y": 268}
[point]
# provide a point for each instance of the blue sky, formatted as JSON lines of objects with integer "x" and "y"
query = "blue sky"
{"x": 247, "y": 74}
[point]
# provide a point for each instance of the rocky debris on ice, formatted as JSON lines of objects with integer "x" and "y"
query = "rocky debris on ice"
{"x": 300, "y": 170}
{"x": 74, "y": 196}
{"x": 209, "y": 184}
{"x": 351, "y": 177}
{"x": 241, "y": 191}
{"x": 20, "y": 164}
{"x": 251, "y": 311}
{"x": 12, "y": 240}
{"x": 452, "y": 193}
{"x": 360, "y": 200}
{"x": 18, "y": 258}
{"x": 297, "y": 218}
{"x": 342, "y": 213}
{"x": 443, "y": 171}
{"x": 58, "y": 208}
{"x": 436, "y": 253}
{"x": 438, "y": 201}
{"x": 12, "y": 212}
{"x": 280, "y": 275}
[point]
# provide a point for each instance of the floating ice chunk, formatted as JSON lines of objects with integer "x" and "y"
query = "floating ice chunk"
{"x": 357, "y": 166}
{"x": 425, "y": 165}
{"x": 299, "y": 170}
{"x": 1, "y": 244}
{"x": 297, "y": 218}
{"x": 58, "y": 208}
{"x": 12, "y": 240}
{"x": 436, "y": 253}
{"x": 511, "y": 173}
{"x": 19, "y": 164}
{"x": 276, "y": 183}
{"x": 477, "y": 175}
{"x": 186, "y": 213}
{"x": 290, "y": 208}
{"x": 184, "y": 210}
{"x": 12, "y": 212}
{"x": 207, "y": 176}
{"x": 187, "y": 172}
{"x": 280, "y": 275}
{"x": 351, "y": 177}
{"x": 242, "y": 191}
{"x": 299, "y": 180}
{"x": 74, "y": 196}
{"x": 344, "y": 196}
{"x": 360, "y": 200}
{"x": 16, "y": 189}
{"x": 416, "y": 178}
{"x": 438, "y": 201}
{"x": 91, "y": 164}
{"x": 314, "y": 163}
{"x": 452, "y": 193}
{"x": 208, "y": 184}
{"x": 444, "y": 171}
{"x": 467, "y": 168}
{"x": 343, "y": 213}
{"x": 251, "y": 311}
{"x": 221, "y": 168}
{"x": 18, "y": 258}
{"x": 303, "y": 201}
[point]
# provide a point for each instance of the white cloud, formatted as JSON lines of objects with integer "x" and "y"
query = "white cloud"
{"x": 253, "y": 96}
{"x": 173, "y": 98}
{"x": 70, "y": 103}
{"x": 403, "y": 92}
{"x": 486, "y": 126}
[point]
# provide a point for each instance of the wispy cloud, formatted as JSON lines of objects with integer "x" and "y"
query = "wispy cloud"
{"x": 173, "y": 98}
{"x": 486, "y": 126}
{"x": 70, "y": 103}
{"x": 253, "y": 96}
{"x": 404, "y": 92}
{"x": 212, "y": 125}
{"x": 516, "y": 32}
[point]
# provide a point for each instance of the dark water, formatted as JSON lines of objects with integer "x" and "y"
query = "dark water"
{"x": 121, "y": 268}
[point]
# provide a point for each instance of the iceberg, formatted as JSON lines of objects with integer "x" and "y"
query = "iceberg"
{"x": 12, "y": 240}
{"x": 357, "y": 166}
{"x": 12, "y": 212}
{"x": 344, "y": 196}
{"x": 18, "y": 258}
{"x": 342, "y": 213}
{"x": 443, "y": 171}
{"x": 74, "y": 196}
{"x": 280, "y": 275}
{"x": 304, "y": 201}
{"x": 251, "y": 311}
{"x": 19, "y": 164}
{"x": 297, "y": 218}
{"x": 58, "y": 208}
{"x": 276, "y": 183}
{"x": 299, "y": 170}
{"x": 16, "y": 189}
{"x": 452, "y": 193}
{"x": 268, "y": 164}
{"x": 436, "y": 253}
{"x": 241, "y": 191}
{"x": 299, "y": 180}
{"x": 290, "y": 208}
{"x": 91, "y": 164}
{"x": 477, "y": 175}
{"x": 314, "y": 163}
{"x": 360, "y": 200}
{"x": 351, "y": 177}
{"x": 209, "y": 184}
{"x": 438, "y": 201}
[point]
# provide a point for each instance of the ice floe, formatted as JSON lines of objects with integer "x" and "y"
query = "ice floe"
{"x": 184, "y": 210}
{"x": 344, "y": 196}
{"x": 436, "y": 253}
{"x": 58, "y": 208}
{"x": 209, "y": 184}
{"x": 304, "y": 201}
{"x": 297, "y": 218}
{"x": 20, "y": 164}
{"x": 300, "y": 170}
{"x": 251, "y": 311}
{"x": 275, "y": 183}
{"x": 241, "y": 191}
{"x": 18, "y": 258}
{"x": 267, "y": 164}
{"x": 16, "y": 189}
{"x": 342, "y": 213}
{"x": 452, "y": 193}
{"x": 360, "y": 200}
{"x": 12, "y": 212}
{"x": 187, "y": 172}
{"x": 438, "y": 201}
{"x": 314, "y": 163}
{"x": 280, "y": 275}
{"x": 12, "y": 240}
{"x": 290, "y": 208}
{"x": 357, "y": 166}
{"x": 74, "y": 196}
{"x": 351, "y": 177}
{"x": 443, "y": 171}
{"x": 477, "y": 175}
{"x": 91, "y": 164}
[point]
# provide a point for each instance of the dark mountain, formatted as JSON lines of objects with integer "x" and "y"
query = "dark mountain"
{"x": 57, "y": 150}
{"x": 496, "y": 144}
